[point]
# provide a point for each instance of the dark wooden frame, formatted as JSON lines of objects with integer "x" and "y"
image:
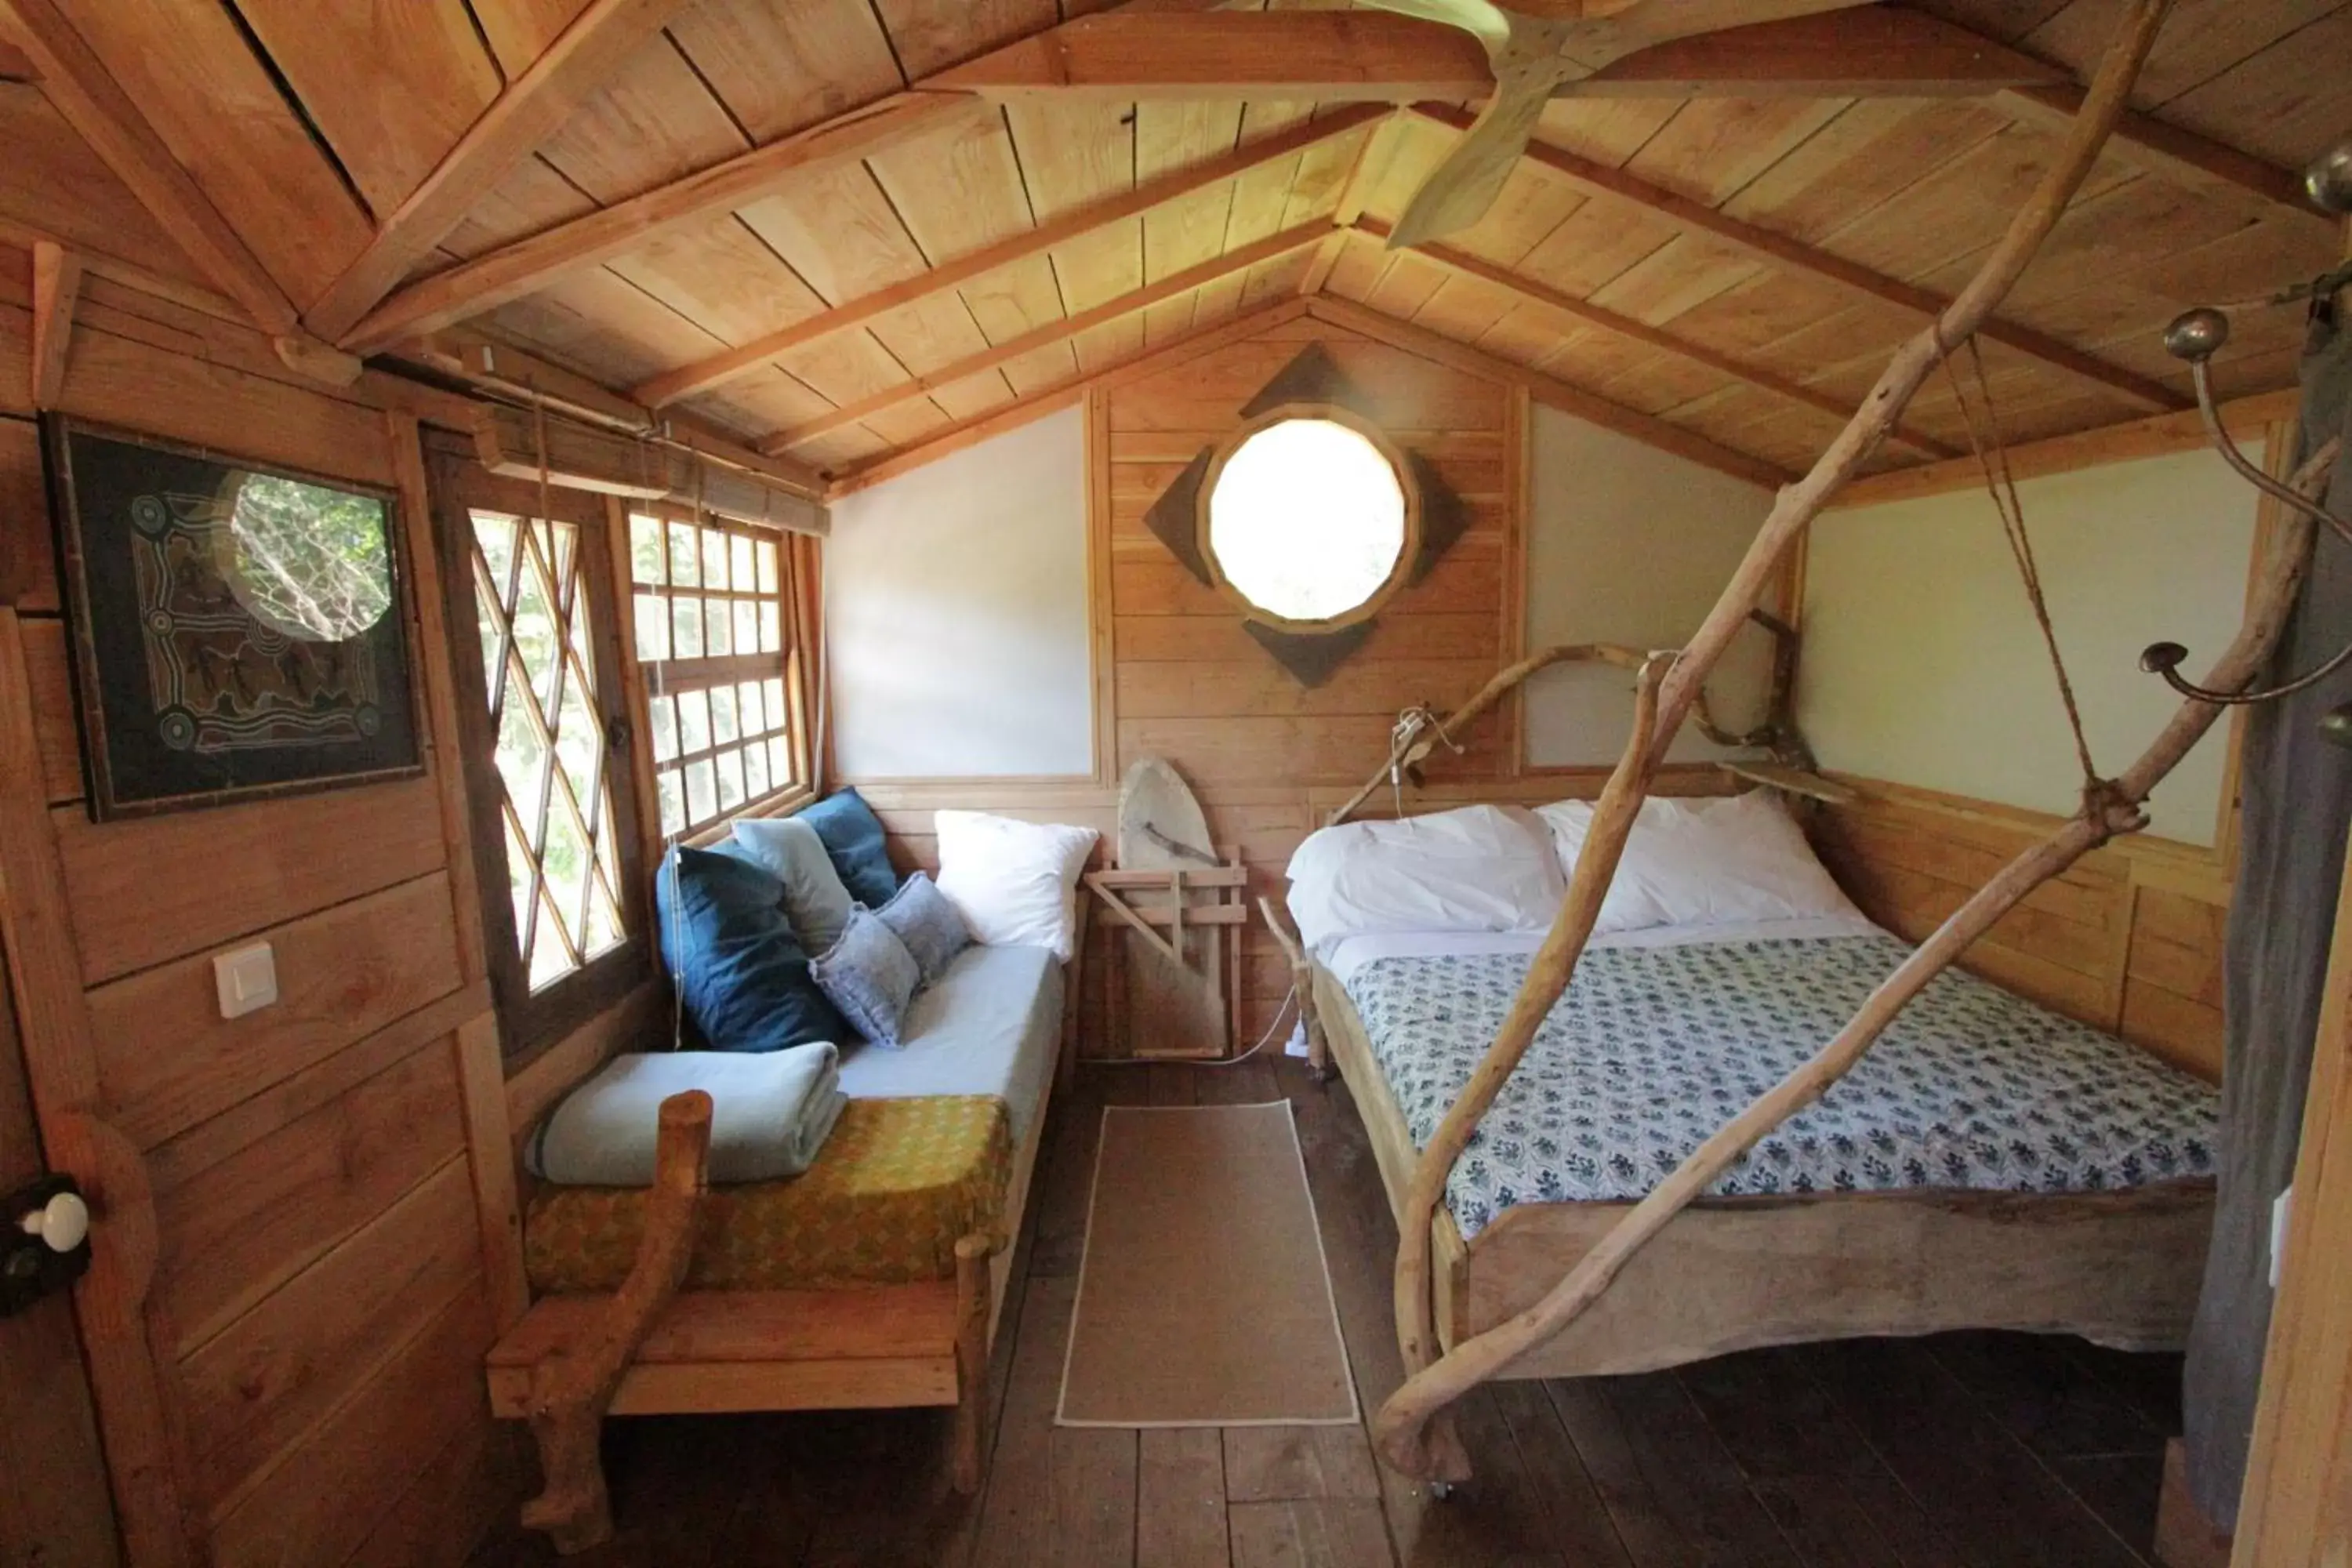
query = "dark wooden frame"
{"x": 90, "y": 707}
{"x": 532, "y": 1020}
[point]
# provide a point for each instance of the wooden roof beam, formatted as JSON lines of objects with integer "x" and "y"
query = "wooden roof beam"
{"x": 1788, "y": 255}
{"x": 1383, "y": 57}
{"x": 78, "y": 85}
{"x": 1643, "y": 427}
{"x": 720, "y": 368}
{"x": 56, "y": 286}
{"x": 1238, "y": 259}
{"x": 583, "y": 57}
{"x": 483, "y": 284}
{"x": 1553, "y": 300}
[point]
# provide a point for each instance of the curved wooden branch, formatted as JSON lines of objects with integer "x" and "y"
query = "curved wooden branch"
{"x": 1419, "y": 743}
{"x": 1400, "y": 1427}
{"x": 1403, "y": 1424}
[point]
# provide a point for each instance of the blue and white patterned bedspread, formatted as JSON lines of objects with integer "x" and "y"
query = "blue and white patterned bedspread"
{"x": 1652, "y": 1048}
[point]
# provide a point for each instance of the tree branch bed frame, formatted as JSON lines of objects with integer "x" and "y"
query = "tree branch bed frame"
{"x": 2119, "y": 1268}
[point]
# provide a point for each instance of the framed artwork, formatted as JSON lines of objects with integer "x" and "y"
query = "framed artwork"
{"x": 238, "y": 627}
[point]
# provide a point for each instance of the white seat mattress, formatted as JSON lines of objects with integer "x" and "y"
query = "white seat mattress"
{"x": 991, "y": 1024}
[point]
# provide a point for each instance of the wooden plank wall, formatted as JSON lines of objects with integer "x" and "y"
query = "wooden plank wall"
{"x": 319, "y": 1303}
{"x": 2129, "y": 940}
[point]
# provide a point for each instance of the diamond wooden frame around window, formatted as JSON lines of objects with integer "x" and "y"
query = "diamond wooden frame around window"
{"x": 536, "y": 620}
{"x": 711, "y": 608}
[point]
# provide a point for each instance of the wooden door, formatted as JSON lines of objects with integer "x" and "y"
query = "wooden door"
{"x": 54, "y": 1508}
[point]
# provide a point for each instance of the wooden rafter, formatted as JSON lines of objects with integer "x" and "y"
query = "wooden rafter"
{"x": 721, "y": 368}
{"x": 1238, "y": 259}
{"x": 78, "y": 84}
{"x": 581, "y": 59}
{"x": 57, "y": 285}
{"x": 1555, "y": 300}
{"x": 2196, "y": 164}
{"x": 1546, "y": 389}
{"x": 485, "y": 282}
{"x": 1777, "y": 250}
{"x": 1380, "y": 55}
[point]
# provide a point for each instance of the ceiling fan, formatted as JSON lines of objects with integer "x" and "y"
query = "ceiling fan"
{"x": 1536, "y": 51}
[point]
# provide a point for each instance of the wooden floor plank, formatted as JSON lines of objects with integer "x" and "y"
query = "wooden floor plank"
{"x": 1310, "y": 1532}
{"x": 1824, "y": 1524}
{"x": 1017, "y": 1509}
{"x": 1580, "y": 1526}
{"x": 1180, "y": 1500}
{"x": 1275, "y": 1464}
{"x": 2040, "y": 1390}
{"x": 1775, "y": 1420}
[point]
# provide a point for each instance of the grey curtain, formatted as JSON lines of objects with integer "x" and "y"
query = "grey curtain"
{"x": 2296, "y": 797}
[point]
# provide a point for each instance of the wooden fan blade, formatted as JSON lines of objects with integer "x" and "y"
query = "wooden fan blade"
{"x": 1459, "y": 190}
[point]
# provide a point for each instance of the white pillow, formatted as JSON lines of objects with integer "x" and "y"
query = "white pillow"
{"x": 1016, "y": 883}
{"x": 1706, "y": 862}
{"x": 1481, "y": 867}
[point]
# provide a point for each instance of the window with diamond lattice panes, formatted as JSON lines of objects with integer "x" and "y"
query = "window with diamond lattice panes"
{"x": 711, "y": 610}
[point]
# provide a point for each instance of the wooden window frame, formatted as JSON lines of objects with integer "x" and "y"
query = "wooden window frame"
{"x": 532, "y": 1020}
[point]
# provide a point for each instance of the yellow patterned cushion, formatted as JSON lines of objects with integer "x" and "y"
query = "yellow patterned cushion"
{"x": 895, "y": 1186}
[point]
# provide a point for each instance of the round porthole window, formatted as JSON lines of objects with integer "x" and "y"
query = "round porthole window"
{"x": 1309, "y": 518}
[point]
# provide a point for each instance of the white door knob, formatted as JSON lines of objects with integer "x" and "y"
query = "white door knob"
{"x": 61, "y": 1223}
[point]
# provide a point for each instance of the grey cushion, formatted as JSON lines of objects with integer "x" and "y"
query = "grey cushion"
{"x": 815, "y": 900}
{"x": 921, "y": 917}
{"x": 869, "y": 976}
{"x": 770, "y": 1114}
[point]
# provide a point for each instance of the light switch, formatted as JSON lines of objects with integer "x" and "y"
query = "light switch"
{"x": 246, "y": 979}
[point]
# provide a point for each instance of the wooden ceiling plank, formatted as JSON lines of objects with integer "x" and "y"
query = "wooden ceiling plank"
{"x": 1383, "y": 56}
{"x": 57, "y": 285}
{"x": 1122, "y": 306}
{"x": 2198, "y": 163}
{"x": 719, "y": 368}
{"x": 1641, "y": 332}
{"x": 489, "y": 281}
{"x": 1550, "y": 390}
{"x": 590, "y": 50}
{"x": 1777, "y": 250}
{"x": 95, "y": 105}
{"x": 520, "y": 30}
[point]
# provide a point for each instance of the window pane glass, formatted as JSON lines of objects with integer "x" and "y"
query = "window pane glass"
{"x": 747, "y": 708}
{"x": 780, "y": 763}
{"x": 701, "y": 791}
{"x": 768, "y": 580}
{"x": 747, "y": 626}
{"x": 603, "y": 924}
{"x": 567, "y": 874}
{"x": 685, "y": 623}
{"x": 685, "y": 555}
{"x": 673, "y": 801}
{"x": 664, "y": 713}
{"x": 738, "y": 551}
{"x": 486, "y": 623}
{"x": 772, "y": 630}
{"x": 755, "y": 770}
{"x": 693, "y": 721}
{"x": 1308, "y": 518}
{"x": 774, "y": 688}
{"x": 645, "y": 548}
{"x": 722, "y": 715}
{"x": 521, "y": 758}
{"x": 730, "y": 780}
{"x": 535, "y": 635}
{"x": 579, "y": 739}
{"x": 652, "y": 628}
{"x": 549, "y": 961}
{"x": 495, "y": 533}
{"x": 718, "y": 639}
{"x": 714, "y": 559}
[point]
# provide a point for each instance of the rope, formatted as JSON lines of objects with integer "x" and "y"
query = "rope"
{"x": 2000, "y": 484}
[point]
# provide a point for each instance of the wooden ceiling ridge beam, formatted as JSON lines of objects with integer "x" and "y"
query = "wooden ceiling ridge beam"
{"x": 1034, "y": 405}
{"x": 1240, "y": 258}
{"x": 1646, "y": 428}
{"x": 1777, "y": 250}
{"x": 583, "y": 59}
{"x": 1385, "y": 57}
{"x": 720, "y": 368}
{"x": 87, "y": 96}
{"x": 1554, "y": 300}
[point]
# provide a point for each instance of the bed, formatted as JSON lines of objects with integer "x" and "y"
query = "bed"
{"x": 1990, "y": 1164}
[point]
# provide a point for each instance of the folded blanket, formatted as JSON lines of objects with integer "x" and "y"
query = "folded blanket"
{"x": 771, "y": 1114}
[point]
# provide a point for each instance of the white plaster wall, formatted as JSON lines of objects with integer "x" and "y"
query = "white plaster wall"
{"x": 956, "y": 610}
{"x": 1923, "y": 665}
{"x": 1628, "y": 544}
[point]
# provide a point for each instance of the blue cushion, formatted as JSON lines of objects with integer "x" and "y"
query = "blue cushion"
{"x": 870, "y": 976}
{"x": 815, "y": 902}
{"x": 743, "y": 975}
{"x": 932, "y": 929}
{"x": 852, "y": 837}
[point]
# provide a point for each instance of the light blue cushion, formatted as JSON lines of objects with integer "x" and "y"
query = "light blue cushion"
{"x": 870, "y": 976}
{"x": 770, "y": 1114}
{"x": 815, "y": 899}
{"x": 932, "y": 929}
{"x": 742, "y": 974}
{"x": 852, "y": 837}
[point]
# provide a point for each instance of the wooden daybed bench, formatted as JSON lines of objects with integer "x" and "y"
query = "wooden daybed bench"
{"x": 874, "y": 1279}
{"x": 2120, "y": 1268}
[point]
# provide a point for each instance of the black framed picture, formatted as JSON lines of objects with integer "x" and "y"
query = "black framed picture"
{"x": 237, "y": 627}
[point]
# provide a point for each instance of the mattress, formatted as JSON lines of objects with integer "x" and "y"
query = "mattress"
{"x": 991, "y": 1025}
{"x": 1659, "y": 1042}
{"x": 896, "y": 1184}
